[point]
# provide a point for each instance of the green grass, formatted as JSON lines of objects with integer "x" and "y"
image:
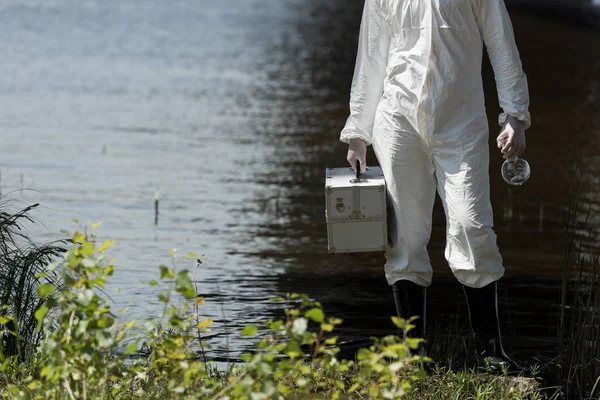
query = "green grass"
{"x": 577, "y": 365}
{"x": 23, "y": 266}
{"x": 445, "y": 384}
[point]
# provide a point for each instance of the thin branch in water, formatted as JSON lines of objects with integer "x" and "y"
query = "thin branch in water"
{"x": 197, "y": 310}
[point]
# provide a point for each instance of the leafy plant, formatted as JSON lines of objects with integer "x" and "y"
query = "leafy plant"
{"x": 88, "y": 352}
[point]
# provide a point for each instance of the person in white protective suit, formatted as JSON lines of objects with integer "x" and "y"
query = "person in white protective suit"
{"x": 417, "y": 97}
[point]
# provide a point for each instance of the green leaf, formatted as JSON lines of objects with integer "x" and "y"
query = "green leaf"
{"x": 399, "y": 322}
{"x": 326, "y": 327}
{"x": 22, "y": 395}
{"x": 413, "y": 343}
{"x": 106, "y": 245}
{"x": 79, "y": 237}
{"x": 4, "y": 320}
{"x": 204, "y": 324}
{"x": 45, "y": 290}
{"x": 96, "y": 224}
{"x": 363, "y": 354}
{"x": 40, "y": 314}
{"x": 354, "y": 388}
{"x": 132, "y": 348}
{"x": 331, "y": 341}
{"x": 47, "y": 370}
{"x": 163, "y": 298}
{"x": 249, "y": 330}
{"x": 87, "y": 249}
{"x": 68, "y": 280}
{"x": 106, "y": 322}
{"x": 283, "y": 389}
{"x": 316, "y": 314}
{"x": 421, "y": 373}
{"x": 153, "y": 283}
{"x": 108, "y": 270}
{"x": 275, "y": 325}
{"x": 183, "y": 285}
{"x": 266, "y": 371}
{"x": 166, "y": 272}
{"x": 305, "y": 369}
{"x": 293, "y": 349}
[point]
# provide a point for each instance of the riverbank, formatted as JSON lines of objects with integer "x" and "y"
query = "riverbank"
{"x": 87, "y": 351}
{"x": 81, "y": 348}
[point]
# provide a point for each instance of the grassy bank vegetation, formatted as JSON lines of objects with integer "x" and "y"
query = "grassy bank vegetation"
{"x": 21, "y": 260}
{"x": 62, "y": 340}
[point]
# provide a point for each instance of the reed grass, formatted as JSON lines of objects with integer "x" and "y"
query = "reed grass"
{"x": 576, "y": 369}
{"x": 23, "y": 266}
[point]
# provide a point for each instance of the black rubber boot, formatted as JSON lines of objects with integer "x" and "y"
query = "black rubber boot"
{"x": 410, "y": 301}
{"x": 483, "y": 314}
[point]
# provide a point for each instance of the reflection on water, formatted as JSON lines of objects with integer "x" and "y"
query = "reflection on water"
{"x": 232, "y": 111}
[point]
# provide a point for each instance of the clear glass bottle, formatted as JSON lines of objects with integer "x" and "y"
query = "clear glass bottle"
{"x": 516, "y": 172}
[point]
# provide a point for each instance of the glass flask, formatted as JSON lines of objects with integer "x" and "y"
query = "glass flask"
{"x": 516, "y": 172}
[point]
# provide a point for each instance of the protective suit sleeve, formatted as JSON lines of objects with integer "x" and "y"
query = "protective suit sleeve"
{"x": 511, "y": 82}
{"x": 369, "y": 73}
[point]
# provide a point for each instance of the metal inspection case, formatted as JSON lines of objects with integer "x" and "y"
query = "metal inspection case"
{"x": 355, "y": 210}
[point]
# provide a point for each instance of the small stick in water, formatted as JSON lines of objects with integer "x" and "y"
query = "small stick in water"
{"x": 156, "y": 208}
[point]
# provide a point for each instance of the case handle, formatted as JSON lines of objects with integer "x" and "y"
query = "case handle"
{"x": 358, "y": 179}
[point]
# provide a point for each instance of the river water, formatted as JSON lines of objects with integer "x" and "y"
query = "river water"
{"x": 230, "y": 111}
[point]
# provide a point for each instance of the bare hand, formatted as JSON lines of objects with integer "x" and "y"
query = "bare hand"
{"x": 357, "y": 150}
{"x": 511, "y": 140}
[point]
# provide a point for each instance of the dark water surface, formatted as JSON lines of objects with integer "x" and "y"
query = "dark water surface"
{"x": 231, "y": 110}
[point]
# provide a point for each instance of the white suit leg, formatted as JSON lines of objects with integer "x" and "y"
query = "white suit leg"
{"x": 409, "y": 176}
{"x": 463, "y": 185}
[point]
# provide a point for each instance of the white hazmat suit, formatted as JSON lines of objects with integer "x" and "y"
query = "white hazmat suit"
{"x": 417, "y": 97}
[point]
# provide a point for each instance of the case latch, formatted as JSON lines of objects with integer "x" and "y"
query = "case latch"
{"x": 357, "y": 215}
{"x": 339, "y": 206}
